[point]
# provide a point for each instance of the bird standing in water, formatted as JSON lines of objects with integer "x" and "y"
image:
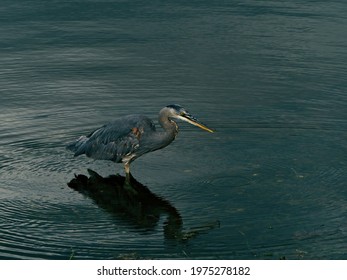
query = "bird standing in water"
{"x": 129, "y": 137}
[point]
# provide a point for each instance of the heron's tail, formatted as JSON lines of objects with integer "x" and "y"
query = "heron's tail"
{"x": 77, "y": 146}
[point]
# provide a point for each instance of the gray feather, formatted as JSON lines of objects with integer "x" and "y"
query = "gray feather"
{"x": 115, "y": 140}
{"x": 129, "y": 137}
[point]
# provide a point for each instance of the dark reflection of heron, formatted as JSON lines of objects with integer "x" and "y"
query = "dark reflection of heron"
{"x": 134, "y": 202}
{"x": 129, "y": 137}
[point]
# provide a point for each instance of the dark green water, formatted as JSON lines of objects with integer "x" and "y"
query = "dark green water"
{"x": 269, "y": 76}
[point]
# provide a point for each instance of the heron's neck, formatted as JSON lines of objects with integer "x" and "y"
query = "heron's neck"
{"x": 169, "y": 126}
{"x": 159, "y": 140}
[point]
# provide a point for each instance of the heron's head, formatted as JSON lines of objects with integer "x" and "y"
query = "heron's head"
{"x": 178, "y": 112}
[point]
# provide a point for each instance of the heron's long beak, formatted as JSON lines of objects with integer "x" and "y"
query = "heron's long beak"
{"x": 190, "y": 119}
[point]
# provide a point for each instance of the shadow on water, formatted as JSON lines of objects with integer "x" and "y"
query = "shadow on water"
{"x": 135, "y": 203}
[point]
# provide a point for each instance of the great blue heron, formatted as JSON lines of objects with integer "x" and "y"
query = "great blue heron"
{"x": 127, "y": 138}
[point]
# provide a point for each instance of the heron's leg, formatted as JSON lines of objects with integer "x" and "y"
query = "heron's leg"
{"x": 127, "y": 168}
{"x": 127, "y": 172}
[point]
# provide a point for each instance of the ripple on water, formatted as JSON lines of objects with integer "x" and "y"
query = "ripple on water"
{"x": 30, "y": 231}
{"x": 269, "y": 210}
{"x": 51, "y": 224}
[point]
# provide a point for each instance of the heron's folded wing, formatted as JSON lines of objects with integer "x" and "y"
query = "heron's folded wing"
{"x": 110, "y": 144}
{"x": 117, "y": 139}
{"x": 114, "y": 150}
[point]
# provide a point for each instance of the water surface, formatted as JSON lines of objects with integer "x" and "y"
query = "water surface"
{"x": 269, "y": 76}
